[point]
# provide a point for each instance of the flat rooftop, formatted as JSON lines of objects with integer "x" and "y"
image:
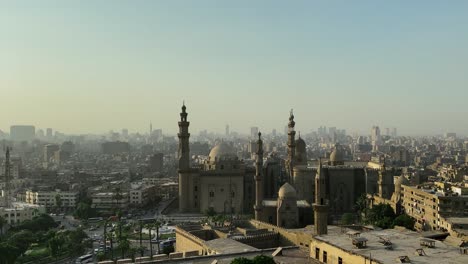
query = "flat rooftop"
{"x": 404, "y": 243}
{"x": 228, "y": 246}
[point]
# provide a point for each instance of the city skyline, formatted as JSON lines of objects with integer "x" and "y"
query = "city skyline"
{"x": 120, "y": 65}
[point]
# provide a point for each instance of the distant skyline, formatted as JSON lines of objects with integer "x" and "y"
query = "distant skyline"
{"x": 95, "y": 66}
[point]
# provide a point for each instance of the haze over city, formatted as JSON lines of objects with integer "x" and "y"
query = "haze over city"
{"x": 91, "y": 67}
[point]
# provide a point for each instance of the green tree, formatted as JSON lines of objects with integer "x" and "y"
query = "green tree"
{"x": 361, "y": 205}
{"x": 132, "y": 252}
{"x": 117, "y": 196}
{"x": 157, "y": 225}
{"x": 21, "y": 240}
{"x": 124, "y": 246}
{"x": 150, "y": 228}
{"x": 347, "y": 219}
{"x": 3, "y": 222}
{"x": 42, "y": 222}
{"x": 58, "y": 202}
{"x": 55, "y": 245}
{"x": 405, "y": 221}
{"x": 242, "y": 260}
{"x": 8, "y": 253}
{"x": 381, "y": 215}
{"x": 262, "y": 259}
{"x": 168, "y": 249}
{"x": 210, "y": 212}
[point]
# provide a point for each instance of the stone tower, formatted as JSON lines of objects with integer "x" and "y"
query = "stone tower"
{"x": 385, "y": 184}
{"x": 184, "y": 161}
{"x": 320, "y": 205}
{"x": 258, "y": 179}
{"x": 291, "y": 147}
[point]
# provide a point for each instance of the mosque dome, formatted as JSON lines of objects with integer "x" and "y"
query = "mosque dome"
{"x": 222, "y": 151}
{"x": 300, "y": 145}
{"x": 287, "y": 191}
{"x": 337, "y": 155}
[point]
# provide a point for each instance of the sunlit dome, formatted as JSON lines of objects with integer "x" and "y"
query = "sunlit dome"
{"x": 222, "y": 151}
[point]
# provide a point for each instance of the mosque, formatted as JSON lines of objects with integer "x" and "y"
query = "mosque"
{"x": 226, "y": 184}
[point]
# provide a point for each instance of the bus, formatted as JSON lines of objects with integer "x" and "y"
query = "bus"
{"x": 84, "y": 259}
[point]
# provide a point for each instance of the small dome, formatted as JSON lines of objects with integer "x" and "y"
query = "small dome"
{"x": 222, "y": 150}
{"x": 287, "y": 191}
{"x": 300, "y": 145}
{"x": 337, "y": 154}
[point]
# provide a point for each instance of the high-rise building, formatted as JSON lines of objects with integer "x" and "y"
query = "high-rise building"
{"x": 227, "y": 130}
{"x": 125, "y": 133}
{"x": 40, "y": 134}
{"x": 253, "y": 132}
{"x": 394, "y": 132}
{"x": 375, "y": 137}
{"x": 49, "y": 133}
{"x": 49, "y": 151}
{"x": 22, "y": 133}
{"x": 115, "y": 147}
{"x": 273, "y": 132}
{"x": 156, "y": 162}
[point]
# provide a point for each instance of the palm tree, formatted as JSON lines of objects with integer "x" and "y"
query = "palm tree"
{"x": 124, "y": 245}
{"x": 58, "y": 202}
{"x": 157, "y": 225}
{"x": 150, "y": 226}
{"x": 117, "y": 196}
{"x": 3, "y": 222}
{"x": 110, "y": 236}
{"x": 141, "y": 238}
{"x": 105, "y": 235}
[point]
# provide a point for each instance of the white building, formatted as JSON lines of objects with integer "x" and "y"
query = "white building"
{"x": 49, "y": 199}
{"x": 106, "y": 201}
{"x": 20, "y": 212}
{"x": 140, "y": 194}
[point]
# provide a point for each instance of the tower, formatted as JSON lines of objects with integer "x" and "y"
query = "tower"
{"x": 386, "y": 186}
{"x": 184, "y": 161}
{"x": 151, "y": 129}
{"x": 258, "y": 179}
{"x": 7, "y": 177}
{"x": 291, "y": 146}
{"x": 320, "y": 205}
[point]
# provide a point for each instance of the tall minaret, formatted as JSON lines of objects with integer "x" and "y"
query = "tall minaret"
{"x": 184, "y": 161}
{"x": 320, "y": 205}
{"x": 258, "y": 179}
{"x": 291, "y": 146}
{"x": 382, "y": 182}
{"x": 184, "y": 152}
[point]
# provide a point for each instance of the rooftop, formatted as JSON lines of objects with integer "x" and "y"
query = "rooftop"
{"x": 403, "y": 243}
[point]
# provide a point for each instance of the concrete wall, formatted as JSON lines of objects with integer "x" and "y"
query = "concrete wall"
{"x": 333, "y": 253}
{"x": 188, "y": 242}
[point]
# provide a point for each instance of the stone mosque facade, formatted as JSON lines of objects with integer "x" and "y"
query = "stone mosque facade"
{"x": 226, "y": 184}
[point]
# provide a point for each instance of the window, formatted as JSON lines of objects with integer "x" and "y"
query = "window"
{"x": 233, "y": 194}
{"x": 317, "y": 253}
{"x": 222, "y": 167}
{"x": 324, "y": 257}
{"x": 340, "y": 260}
{"x": 195, "y": 188}
{"x": 211, "y": 194}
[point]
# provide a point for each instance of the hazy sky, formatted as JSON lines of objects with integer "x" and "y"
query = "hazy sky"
{"x": 92, "y": 66}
